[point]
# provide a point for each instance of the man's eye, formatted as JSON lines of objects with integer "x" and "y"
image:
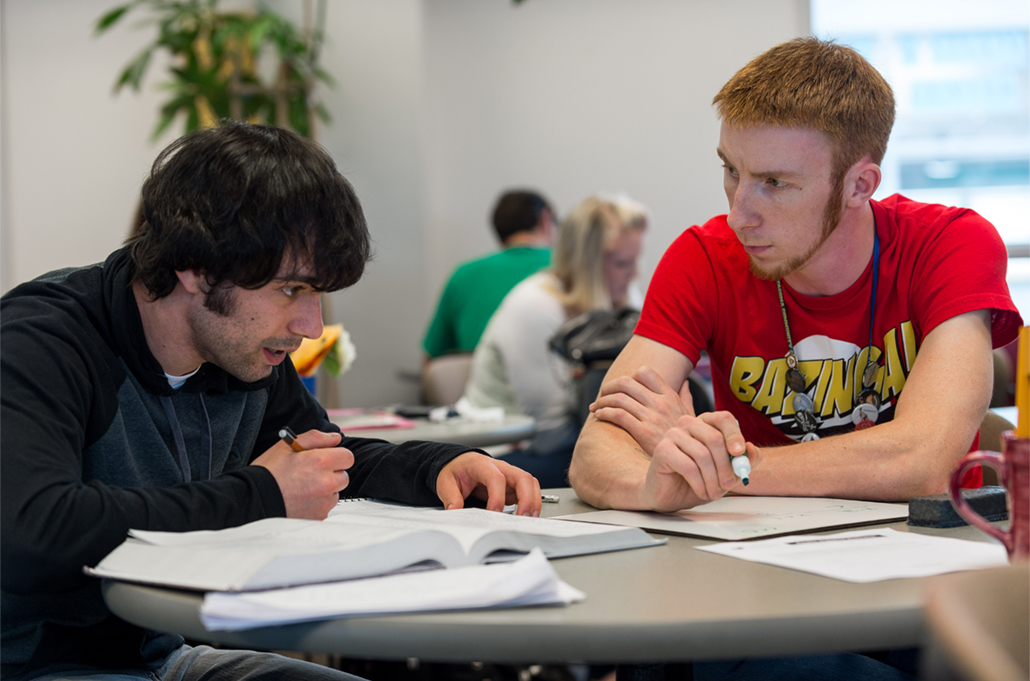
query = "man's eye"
{"x": 776, "y": 183}
{"x": 730, "y": 169}
{"x": 289, "y": 291}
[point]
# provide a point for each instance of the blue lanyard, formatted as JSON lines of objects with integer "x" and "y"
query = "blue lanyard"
{"x": 872, "y": 299}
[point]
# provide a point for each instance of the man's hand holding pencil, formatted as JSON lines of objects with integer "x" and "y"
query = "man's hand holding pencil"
{"x": 311, "y": 470}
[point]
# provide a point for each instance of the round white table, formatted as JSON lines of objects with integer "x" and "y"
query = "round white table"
{"x": 666, "y": 603}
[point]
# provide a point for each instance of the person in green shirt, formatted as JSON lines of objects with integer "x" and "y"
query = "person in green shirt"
{"x": 524, "y": 223}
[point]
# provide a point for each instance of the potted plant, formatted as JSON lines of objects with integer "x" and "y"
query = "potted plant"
{"x": 220, "y": 63}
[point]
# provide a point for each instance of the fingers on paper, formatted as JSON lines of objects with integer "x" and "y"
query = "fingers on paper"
{"x": 522, "y": 489}
{"x": 500, "y": 484}
{"x": 495, "y": 482}
{"x": 449, "y": 491}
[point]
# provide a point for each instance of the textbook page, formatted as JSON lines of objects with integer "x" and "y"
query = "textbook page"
{"x": 471, "y": 525}
{"x": 740, "y": 517}
{"x": 273, "y": 552}
{"x": 868, "y": 555}
{"x": 528, "y": 581}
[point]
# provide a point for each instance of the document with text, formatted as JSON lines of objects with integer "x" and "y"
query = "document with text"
{"x": 742, "y": 517}
{"x": 868, "y": 555}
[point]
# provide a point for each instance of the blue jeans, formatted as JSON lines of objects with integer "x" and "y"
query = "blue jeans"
{"x": 548, "y": 456}
{"x": 199, "y": 663}
{"x": 894, "y": 665}
{"x": 831, "y": 667}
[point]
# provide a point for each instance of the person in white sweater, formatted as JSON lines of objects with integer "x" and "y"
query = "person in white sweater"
{"x": 594, "y": 265}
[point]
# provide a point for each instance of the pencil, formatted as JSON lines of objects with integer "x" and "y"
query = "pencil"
{"x": 290, "y": 438}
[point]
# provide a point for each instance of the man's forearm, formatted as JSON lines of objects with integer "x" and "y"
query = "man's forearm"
{"x": 936, "y": 417}
{"x": 608, "y": 467}
{"x": 885, "y": 463}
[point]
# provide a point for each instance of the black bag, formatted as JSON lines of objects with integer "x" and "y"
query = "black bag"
{"x": 595, "y": 336}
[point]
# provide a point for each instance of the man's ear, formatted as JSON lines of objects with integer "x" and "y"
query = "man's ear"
{"x": 546, "y": 224}
{"x": 861, "y": 183}
{"x": 192, "y": 281}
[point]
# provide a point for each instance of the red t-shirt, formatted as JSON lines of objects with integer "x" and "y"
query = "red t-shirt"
{"x": 936, "y": 263}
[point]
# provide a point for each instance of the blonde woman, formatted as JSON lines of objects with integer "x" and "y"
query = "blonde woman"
{"x": 594, "y": 265}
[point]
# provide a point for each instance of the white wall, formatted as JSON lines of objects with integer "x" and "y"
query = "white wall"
{"x": 375, "y": 51}
{"x": 74, "y": 154}
{"x": 580, "y": 96}
{"x": 439, "y": 106}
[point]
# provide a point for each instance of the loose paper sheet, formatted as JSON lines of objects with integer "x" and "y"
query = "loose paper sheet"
{"x": 740, "y": 517}
{"x": 528, "y": 581}
{"x": 868, "y": 555}
{"x": 366, "y": 419}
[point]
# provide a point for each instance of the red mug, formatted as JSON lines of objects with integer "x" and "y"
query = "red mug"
{"x": 1013, "y": 466}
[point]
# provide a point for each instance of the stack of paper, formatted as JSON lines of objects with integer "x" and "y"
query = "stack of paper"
{"x": 528, "y": 581}
{"x": 367, "y": 558}
{"x": 360, "y": 539}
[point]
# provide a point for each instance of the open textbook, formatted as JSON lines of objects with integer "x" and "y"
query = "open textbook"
{"x": 739, "y": 517}
{"x": 359, "y": 539}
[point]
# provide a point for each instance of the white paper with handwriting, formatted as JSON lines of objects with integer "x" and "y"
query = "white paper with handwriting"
{"x": 739, "y": 517}
{"x": 868, "y": 555}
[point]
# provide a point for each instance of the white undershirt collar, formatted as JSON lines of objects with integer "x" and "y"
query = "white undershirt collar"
{"x": 177, "y": 381}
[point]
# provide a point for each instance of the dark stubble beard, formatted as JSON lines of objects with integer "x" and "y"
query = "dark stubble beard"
{"x": 221, "y": 300}
{"x": 832, "y": 214}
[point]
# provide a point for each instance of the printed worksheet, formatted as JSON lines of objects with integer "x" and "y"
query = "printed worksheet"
{"x": 868, "y": 555}
{"x": 739, "y": 517}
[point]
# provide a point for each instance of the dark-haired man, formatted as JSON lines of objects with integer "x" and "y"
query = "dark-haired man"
{"x": 147, "y": 392}
{"x": 524, "y": 224}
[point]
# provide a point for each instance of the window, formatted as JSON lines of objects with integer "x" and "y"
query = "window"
{"x": 960, "y": 73}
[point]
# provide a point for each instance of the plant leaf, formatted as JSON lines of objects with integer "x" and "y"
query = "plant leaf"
{"x": 259, "y": 30}
{"x": 108, "y": 20}
{"x": 323, "y": 113}
{"x": 192, "y": 119}
{"x": 162, "y": 124}
{"x": 133, "y": 73}
{"x": 177, "y": 27}
{"x": 323, "y": 75}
